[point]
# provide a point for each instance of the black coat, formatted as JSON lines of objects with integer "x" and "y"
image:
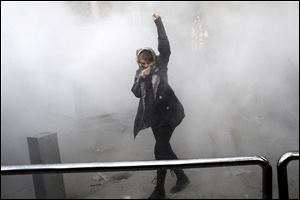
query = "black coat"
{"x": 162, "y": 107}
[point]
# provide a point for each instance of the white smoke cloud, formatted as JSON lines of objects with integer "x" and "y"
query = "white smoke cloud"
{"x": 243, "y": 82}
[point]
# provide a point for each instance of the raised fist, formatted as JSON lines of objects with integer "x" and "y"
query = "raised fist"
{"x": 155, "y": 16}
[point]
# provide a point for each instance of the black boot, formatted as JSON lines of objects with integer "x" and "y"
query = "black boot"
{"x": 182, "y": 181}
{"x": 158, "y": 194}
{"x": 159, "y": 191}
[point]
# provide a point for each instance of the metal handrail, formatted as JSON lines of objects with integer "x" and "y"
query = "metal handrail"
{"x": 148, "y": 165}
{"x": 282, "y": 177}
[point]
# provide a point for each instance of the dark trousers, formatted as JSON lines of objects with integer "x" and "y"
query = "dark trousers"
{"x": 163, "y": 151}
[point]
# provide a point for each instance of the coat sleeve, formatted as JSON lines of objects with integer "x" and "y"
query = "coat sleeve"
{"x": 163, "y": 42}
{"x": 136, "y": 88}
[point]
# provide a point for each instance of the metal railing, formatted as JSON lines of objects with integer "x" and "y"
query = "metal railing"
{"x": 148, "y": 165}
{"x": 282, "y": 176}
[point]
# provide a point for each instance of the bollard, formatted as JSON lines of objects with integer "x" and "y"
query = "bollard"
{"x": 43, "y": 149}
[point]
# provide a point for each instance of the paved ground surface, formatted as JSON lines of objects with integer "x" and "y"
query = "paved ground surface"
{"x": 109, "y": 138}
{"x": 225, "y": 182}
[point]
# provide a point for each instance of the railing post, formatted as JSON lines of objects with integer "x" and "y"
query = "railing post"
{"x": 266, "y": 178}
{"x": 282, "y": 176}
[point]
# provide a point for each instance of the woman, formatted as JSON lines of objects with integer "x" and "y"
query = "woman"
{"x": 158, "y": 108}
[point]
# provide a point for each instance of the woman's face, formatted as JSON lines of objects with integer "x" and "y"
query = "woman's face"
{"x": 145, "y": 64}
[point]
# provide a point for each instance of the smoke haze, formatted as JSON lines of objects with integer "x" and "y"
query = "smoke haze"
{"x": 63, "y": 63}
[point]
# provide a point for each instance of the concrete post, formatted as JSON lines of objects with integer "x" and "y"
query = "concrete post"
{"x": 43, "y": 149}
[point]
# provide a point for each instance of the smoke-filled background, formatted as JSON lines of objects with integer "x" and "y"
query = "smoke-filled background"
{"x": 68, "y": 67}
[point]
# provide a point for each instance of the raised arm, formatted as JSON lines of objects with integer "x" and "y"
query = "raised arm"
{"x": 163, "y": 42}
